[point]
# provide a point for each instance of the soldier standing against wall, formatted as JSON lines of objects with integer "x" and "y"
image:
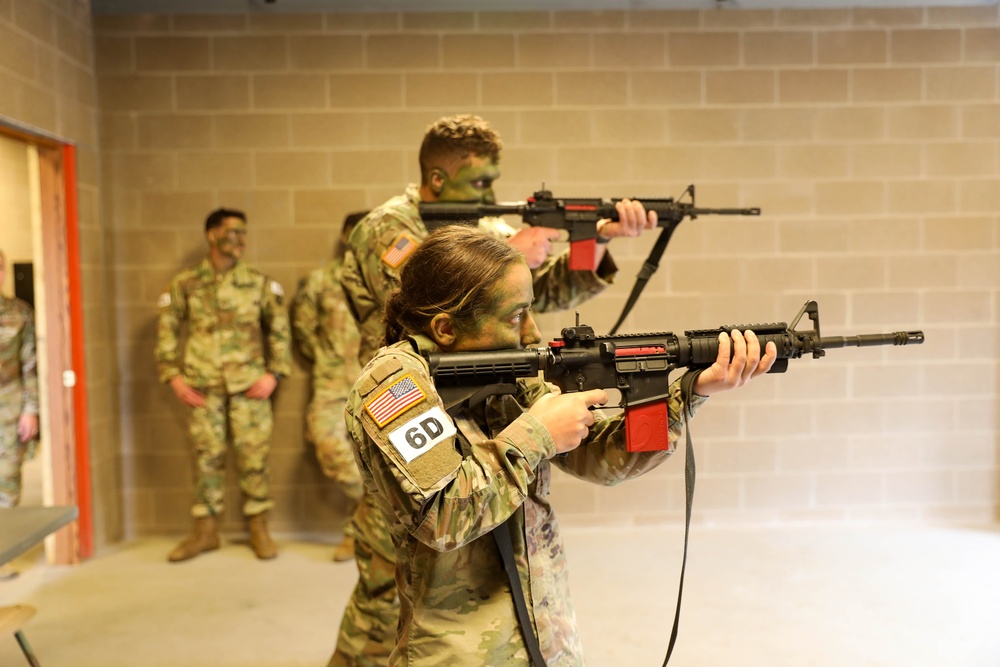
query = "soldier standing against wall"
{"x": 326, "y": 335}
{"x": 18, "y": 390}
{"x": 237, "y": 349}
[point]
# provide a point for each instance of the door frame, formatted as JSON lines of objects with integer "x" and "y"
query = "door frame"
{"x": 68, "y": 432}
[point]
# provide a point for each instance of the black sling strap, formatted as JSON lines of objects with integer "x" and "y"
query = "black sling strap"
{"x": 687, "y": 391}
{"x": 501, "y": 534}
{"x": 649, "y": 267}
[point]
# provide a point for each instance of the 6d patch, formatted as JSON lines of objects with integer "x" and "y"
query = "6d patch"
{"x": 421, "y": 433}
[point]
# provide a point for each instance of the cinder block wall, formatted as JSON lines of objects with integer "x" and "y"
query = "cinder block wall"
{"x": 868, "y": 137}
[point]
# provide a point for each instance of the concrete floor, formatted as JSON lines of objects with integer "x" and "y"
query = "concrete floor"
{"x": 828, "y": 596}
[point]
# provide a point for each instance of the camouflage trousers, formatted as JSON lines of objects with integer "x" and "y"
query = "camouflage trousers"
{"x": 11, "y": 448}
{"x": 368, "y": 629}
{"x": 249, "y": 422}
{"x": 11, "y": 458}
{"x": 327, "y": 431}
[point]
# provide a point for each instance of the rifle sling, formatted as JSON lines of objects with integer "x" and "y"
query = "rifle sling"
{"x": 687, "y": 390}
{"x": 501, "y": 535}
{"x": 649, "y": 267}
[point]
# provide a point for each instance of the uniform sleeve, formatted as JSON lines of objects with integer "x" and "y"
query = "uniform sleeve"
{"x": 172, "y": 314}
{"x": 305, "y": 319}
{"x": 278, "y": 329}
{"x": 366, "y": 311}
{"x": 379, "y": 245}
{"x": 603, "y": 458}
{"x": 558, "y": 288}
{"x": 441, "y": 497}
{"x": 29, "y": 365}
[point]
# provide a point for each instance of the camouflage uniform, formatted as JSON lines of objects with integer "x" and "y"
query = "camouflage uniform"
{"x": 452, "y": 485}
{"x": 327, "y": 336}
{"x": 379, "y": 245}
{"x": 381, "y": 242}
{"x": 238, "y": 330}
{"x": 18, "y": 391}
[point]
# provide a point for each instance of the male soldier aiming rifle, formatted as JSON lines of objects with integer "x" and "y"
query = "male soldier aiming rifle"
{"x": 459, "y": 161}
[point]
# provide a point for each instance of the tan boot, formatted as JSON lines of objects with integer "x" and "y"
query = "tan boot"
{"x": 260, "y": 540}
{"x": 205, "y": 537}
{"x": 345, "y": 550}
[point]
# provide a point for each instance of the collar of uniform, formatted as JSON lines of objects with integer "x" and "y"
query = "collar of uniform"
{"x": 422, "y": 345}
{"x": 241, "y": 272}
{"x": 413, "y": 193}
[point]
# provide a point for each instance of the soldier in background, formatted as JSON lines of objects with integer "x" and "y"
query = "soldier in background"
{"x": 326, "y": 335}
{"x": 237, "y": 349}
{"x": 18, "y": 391}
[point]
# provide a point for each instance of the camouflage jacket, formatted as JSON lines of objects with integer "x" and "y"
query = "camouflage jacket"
{"x": 237, "y": 326}
{"x": 325, "y": 332}
{"x": 381, "y": 242}
{"x": 17, "y": 352}
{"x": 448, "y": 483}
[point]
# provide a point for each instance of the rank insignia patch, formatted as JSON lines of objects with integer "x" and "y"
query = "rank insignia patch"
{"x": 396, "y": 399}
{"x": 399, "y": 250}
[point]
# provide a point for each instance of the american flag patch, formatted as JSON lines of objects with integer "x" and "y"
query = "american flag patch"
{"x": 394, "y": 400}
{"x": 399, "y": 250}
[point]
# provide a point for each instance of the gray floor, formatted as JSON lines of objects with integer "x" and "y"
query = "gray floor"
{"x": 799, "y": 596}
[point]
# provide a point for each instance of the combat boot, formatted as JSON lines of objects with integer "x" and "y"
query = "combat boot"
{"x": 260, "y": 540}
{"x": 345, "y": 550}
{"x": 205, "y": 537}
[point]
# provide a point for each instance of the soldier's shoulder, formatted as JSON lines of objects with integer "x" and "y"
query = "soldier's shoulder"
{"x": 13, "y": 309}
{"x": 187, "y": 277}
{"x": 396, "y": 214}
{"x": 250, "y": 272}
{"x": 388, "y": 364}
{"x": 23, "y": 307}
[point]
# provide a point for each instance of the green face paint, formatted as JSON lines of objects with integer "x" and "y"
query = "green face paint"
{"x": 472, "y": 182}
{"x": 510, "y": 326}
{"x": 230, "y": 239}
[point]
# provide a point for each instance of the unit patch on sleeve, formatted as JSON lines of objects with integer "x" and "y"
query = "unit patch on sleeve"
{"x": 420, "y": 434}
{"x": 388, "y": 404}
{"x": 399, "y": 250}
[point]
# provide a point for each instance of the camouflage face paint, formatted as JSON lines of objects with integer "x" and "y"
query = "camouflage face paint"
{"x": 472, "y": 181}
{"x": 230, "y": 238}
{"x": 510, "y": 325}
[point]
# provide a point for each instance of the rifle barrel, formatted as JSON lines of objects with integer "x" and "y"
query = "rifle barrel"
{"x": 725, "y": 211}
{"x": 869, "y": 340}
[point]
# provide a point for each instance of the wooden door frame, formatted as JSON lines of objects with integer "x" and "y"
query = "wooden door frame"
{"x": 66, "y": 379}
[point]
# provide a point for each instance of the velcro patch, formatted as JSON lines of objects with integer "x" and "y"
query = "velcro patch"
{"x": 391, "y": 402}
{"x": 399, "y": 250}
{"x": 420, "y": 434}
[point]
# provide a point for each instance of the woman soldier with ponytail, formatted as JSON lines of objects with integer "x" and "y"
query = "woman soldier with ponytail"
{"x": 488, "y": 468}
